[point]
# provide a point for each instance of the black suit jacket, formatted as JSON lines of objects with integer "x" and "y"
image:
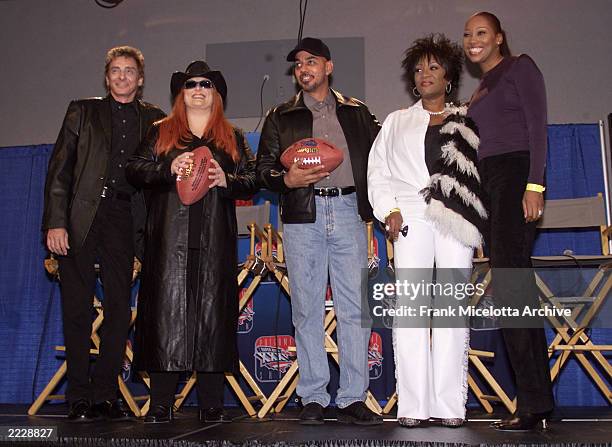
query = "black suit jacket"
{"x": 78, "y": 165}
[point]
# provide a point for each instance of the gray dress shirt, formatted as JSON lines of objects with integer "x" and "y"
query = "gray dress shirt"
{"x": 325, "y": 125}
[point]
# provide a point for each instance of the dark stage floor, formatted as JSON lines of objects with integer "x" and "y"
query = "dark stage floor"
{"x": 569, "y": 426}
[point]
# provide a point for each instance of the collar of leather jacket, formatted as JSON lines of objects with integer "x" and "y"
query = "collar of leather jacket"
{"x": 298, "y": 102}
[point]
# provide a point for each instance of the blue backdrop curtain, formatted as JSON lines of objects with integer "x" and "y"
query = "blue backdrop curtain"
{"x": 30, "y": 320}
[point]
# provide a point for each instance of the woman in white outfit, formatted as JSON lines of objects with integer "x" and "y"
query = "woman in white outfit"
{"x": 422, "y": 178}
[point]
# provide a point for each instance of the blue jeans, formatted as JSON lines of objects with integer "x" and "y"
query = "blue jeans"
{"x": 335, "y": 243}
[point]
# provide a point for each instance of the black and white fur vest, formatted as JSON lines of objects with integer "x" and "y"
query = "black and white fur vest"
{"x": 453, "y": 194}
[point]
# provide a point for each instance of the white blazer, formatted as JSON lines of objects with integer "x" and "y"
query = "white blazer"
{"x": 396, "y": 164}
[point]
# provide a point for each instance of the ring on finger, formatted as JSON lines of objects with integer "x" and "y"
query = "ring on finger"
{"x": 540, "y": 212}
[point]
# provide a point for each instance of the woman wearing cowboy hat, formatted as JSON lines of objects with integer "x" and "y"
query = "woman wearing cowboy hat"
{"x": 187, "y": 311}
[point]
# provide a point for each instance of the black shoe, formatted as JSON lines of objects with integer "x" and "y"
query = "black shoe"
{"x": 114, "y": 410}
{"x": 358, "y": 413}
{"x": 312, "y": 414}
{"x": 81, "y": 411}
{"x": 215, "y": 415}
{"x": 522, "y": 423}
{"x": 158, "y": 414}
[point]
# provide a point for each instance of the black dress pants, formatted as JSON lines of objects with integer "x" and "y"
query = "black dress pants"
{"x": 110, "y": 242}
{"x": 509, "y": 244}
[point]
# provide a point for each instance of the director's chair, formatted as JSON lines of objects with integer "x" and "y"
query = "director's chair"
{"x": 51, "y": 265}
{"x": 571, "y": 336}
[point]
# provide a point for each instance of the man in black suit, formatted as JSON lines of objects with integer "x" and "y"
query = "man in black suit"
{"x": 93, "y": 214}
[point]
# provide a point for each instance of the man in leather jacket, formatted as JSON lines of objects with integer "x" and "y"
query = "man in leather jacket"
{"x": 92, "y": 214}
{"x": 324, "y": 231}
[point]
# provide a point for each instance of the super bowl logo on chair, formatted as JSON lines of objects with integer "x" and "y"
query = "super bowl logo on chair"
{"x": 272, "y": 360}
{"x": 375, "y": 357}
{"x": 245, "y": 319}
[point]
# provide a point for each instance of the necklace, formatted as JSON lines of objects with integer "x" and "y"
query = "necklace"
{"x": 435, "y": 113}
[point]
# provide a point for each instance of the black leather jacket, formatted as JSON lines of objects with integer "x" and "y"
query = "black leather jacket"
{"x": 292, "y": 121}
{"x": 164, "y": 340}
{"x": 77, "y": 169}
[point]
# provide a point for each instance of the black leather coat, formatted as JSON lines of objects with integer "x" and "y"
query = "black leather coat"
{"x": 77, "y": 169}
{"x": 292, "y": 121}
{"x": 169, "y": 336}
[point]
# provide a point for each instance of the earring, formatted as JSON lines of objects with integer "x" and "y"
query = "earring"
{"x": 415, "y": 92}
{"x": 448, "y": 88}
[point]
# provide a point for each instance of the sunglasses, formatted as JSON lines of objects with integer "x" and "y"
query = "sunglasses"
{"x": 205, "y": 83}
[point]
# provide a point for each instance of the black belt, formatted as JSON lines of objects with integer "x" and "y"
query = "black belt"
{"x": 109, "y": 193}
{"x": 333, "y": 191}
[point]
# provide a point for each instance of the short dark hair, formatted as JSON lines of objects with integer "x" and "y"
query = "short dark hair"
{"x": 125, "y": 51}
{"x": 437, "y": 46}
{"x": 504, "y": 48}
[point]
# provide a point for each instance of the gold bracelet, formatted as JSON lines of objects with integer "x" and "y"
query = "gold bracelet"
{"x": 394, "y": 210}
{"x": 535, "y": 187}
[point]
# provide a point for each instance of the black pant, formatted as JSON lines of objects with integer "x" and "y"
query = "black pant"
{"x": 209, "y": 386}
{"x": 110, "y": 242}
{"x": 509, "y": 244}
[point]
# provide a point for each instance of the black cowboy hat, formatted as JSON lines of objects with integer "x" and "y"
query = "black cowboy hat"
{"x": 198, "y": 69}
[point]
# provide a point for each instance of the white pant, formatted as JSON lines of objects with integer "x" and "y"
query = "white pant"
{"x": 431, "y": 364}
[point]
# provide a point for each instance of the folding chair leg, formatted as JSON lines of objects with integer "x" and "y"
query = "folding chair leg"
{"x": 185, "y": 391}
{"x": 243, "y": 399}
{"x": 479, "y": 395}
{"x": 488, "y": 377}
{"x": 242, "y": 276}
{"x": 42, "y": 397}
{"x": 128, "y": 397}
{"x": 147, "y": 381}
{"x": 246, "y": 375}
{"x": 390, "y": 404}
{"x": 282, "y": 385}
{"x": 288, "y": 392}
{"x": 249, "y": 292}
{"x": 372, "y": 403}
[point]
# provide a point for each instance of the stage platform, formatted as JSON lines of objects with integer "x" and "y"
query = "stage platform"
{"x": 587, "y": 426}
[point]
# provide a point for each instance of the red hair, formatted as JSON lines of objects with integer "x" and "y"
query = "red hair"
{"x": 174, "y": 129}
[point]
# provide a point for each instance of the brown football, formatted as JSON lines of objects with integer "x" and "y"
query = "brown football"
{"x": 311, "y": 152}
{"x": 194, "y": 184}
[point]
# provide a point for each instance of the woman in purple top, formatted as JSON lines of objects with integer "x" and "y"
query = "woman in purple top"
{"x": 509, "y": 108}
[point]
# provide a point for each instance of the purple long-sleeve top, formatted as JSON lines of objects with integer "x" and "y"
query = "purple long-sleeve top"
{"x": 509, "y": 108}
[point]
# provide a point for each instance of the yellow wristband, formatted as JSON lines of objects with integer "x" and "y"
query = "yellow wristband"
{"x": 394, "y": 210}
{"x": 535, "y": 187}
